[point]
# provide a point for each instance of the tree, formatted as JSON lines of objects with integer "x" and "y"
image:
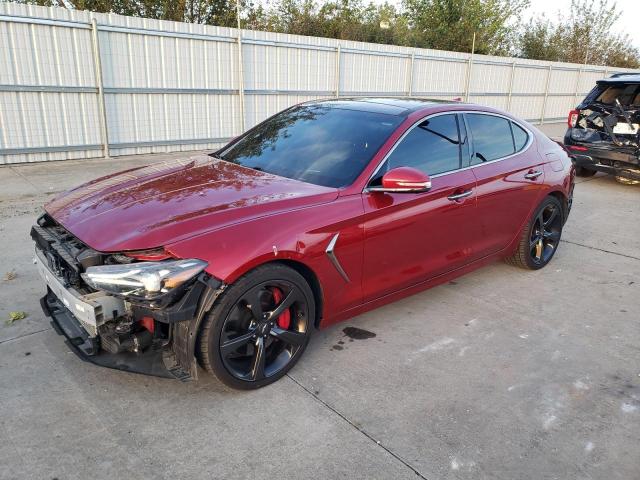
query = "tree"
{"x": 450, "y": 24}
{"x": 587, "y": 36}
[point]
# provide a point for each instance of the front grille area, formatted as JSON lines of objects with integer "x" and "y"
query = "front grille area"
{"x": 66, "y": 256}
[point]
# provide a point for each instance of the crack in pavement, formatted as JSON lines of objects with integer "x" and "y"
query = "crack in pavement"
{"x": 25, "y": 335}
{"x": 600, "y": 249}
{"x": 359, "y": 429}
{"x": 24, "y": 177}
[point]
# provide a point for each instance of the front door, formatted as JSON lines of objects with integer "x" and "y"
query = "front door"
{"x": 411, "y": 237}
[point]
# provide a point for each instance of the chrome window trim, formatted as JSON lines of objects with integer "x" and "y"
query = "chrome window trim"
{"x": 453, "y": 112}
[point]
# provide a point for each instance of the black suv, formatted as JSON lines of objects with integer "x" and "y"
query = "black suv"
{"x": 604, "y": 133}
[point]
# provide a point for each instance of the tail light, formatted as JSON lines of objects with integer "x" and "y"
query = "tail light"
{"x": 573, "y": 118}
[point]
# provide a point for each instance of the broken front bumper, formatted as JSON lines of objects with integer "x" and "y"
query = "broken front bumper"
{"x": 78, "y": 317}
{"x": 150, "y": 362}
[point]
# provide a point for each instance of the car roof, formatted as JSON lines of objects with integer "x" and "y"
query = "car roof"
{"x": 401, "y": 106}
{"x": 621, "y": 78}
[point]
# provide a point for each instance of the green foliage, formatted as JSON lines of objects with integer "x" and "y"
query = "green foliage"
{"x": 587, "y": 33}
{"x": 450, "y": 24}
{"x": 586, "y": 36}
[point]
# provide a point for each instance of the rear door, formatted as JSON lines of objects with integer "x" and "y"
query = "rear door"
{"x": 509, "y": 173}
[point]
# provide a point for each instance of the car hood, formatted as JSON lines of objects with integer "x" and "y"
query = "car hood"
{"x": 163, "y": 203}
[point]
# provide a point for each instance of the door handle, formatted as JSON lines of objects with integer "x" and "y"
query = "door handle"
{"x": 458, "y": 196}
{"x": 533, "y": 175}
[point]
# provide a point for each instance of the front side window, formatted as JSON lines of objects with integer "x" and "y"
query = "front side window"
{"x": 319, "y": 144}
{"x": 432, "y": 147}
{"x": 492, "y": 138}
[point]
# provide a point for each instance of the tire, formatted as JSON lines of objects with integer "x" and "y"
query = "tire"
{"x": 540, "y": 237}
{"x": 584, "y": 172}
{"x": 244, "y": 340}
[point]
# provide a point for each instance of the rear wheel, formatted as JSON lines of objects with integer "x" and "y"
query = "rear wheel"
{"x": 258, "y": 329}
{"x": 584, "y": 172}
{"x": 541, "y": 237}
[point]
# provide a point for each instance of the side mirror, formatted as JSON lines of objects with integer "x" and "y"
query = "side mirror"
{"x": 404, "y": 180}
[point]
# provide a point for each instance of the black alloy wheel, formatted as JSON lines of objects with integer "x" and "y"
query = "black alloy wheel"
{"x": 264, "y": 330}
{"x": 540, "y": 238}
{"x": 259, "y": 327}
{"x": 545, "y": 234}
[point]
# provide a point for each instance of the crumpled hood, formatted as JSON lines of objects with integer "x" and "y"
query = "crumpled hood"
{"x": 166, "y": 202}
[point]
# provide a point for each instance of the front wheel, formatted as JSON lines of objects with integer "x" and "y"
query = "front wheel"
{"x": 259, "y": 327}
{"x": 541, "y": 237}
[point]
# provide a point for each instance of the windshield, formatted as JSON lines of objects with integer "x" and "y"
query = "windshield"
{"x": 319, "y": 144}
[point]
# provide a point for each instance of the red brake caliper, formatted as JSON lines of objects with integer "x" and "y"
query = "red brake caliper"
{"x": 284, "y": 320}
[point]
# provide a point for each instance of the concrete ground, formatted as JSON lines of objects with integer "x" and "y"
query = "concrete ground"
{"x": 501, "y": 374}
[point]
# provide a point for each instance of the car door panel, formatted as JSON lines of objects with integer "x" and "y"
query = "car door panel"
{"x": 505, "y": 199}
{"x": 413, "y": 237}
{"x": 507, "y": 187}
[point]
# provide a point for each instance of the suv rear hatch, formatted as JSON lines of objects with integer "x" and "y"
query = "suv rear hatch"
{"x": 604, "y": 130}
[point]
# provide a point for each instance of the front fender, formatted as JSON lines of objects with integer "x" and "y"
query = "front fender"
{"x": 301, "y": 236}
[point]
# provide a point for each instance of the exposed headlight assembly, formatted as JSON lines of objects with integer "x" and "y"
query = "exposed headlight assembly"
{"x": 143, "y": 280}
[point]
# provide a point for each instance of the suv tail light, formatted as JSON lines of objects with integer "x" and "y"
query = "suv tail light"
{"x": 573, "y": 118}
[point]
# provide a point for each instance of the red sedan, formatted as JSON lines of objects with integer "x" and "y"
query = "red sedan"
{"x": 321, "y": 212}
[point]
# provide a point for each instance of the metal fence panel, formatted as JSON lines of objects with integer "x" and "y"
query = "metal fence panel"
{"x": 76, "y": 84}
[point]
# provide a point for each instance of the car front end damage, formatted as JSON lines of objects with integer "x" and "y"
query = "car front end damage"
{"x": 133, "y": 311}
{"x": 604, "y": 130}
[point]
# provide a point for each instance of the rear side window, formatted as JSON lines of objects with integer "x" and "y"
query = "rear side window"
{"x": 432, "y": 147}
{"x": 492, "y": 138}
{"x": 520, "y": 137}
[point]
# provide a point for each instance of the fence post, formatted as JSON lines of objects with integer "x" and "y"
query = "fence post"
{"x": 513, "y": 71}
{"x": 575, "y": 96}
{"x": 546, "y": 95}
{"x": 102, "y": 110}
{"x": 338, "y": 71}
{"x": 241, "y": 81}
{"x": 410, "y": 79}
{"x": 469, "y": 68}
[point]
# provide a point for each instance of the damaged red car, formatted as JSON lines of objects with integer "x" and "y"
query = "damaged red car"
{"x": 231, "y": 260}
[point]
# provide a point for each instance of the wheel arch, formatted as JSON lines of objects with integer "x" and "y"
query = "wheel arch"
{"x": 311, "y": 278}
{"x": 303, "y": 269}
{"x": 564, "y": 201}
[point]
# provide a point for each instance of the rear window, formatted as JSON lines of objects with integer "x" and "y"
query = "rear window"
{"x": 492, "y": 138}
{"x": 627, "y": 94}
